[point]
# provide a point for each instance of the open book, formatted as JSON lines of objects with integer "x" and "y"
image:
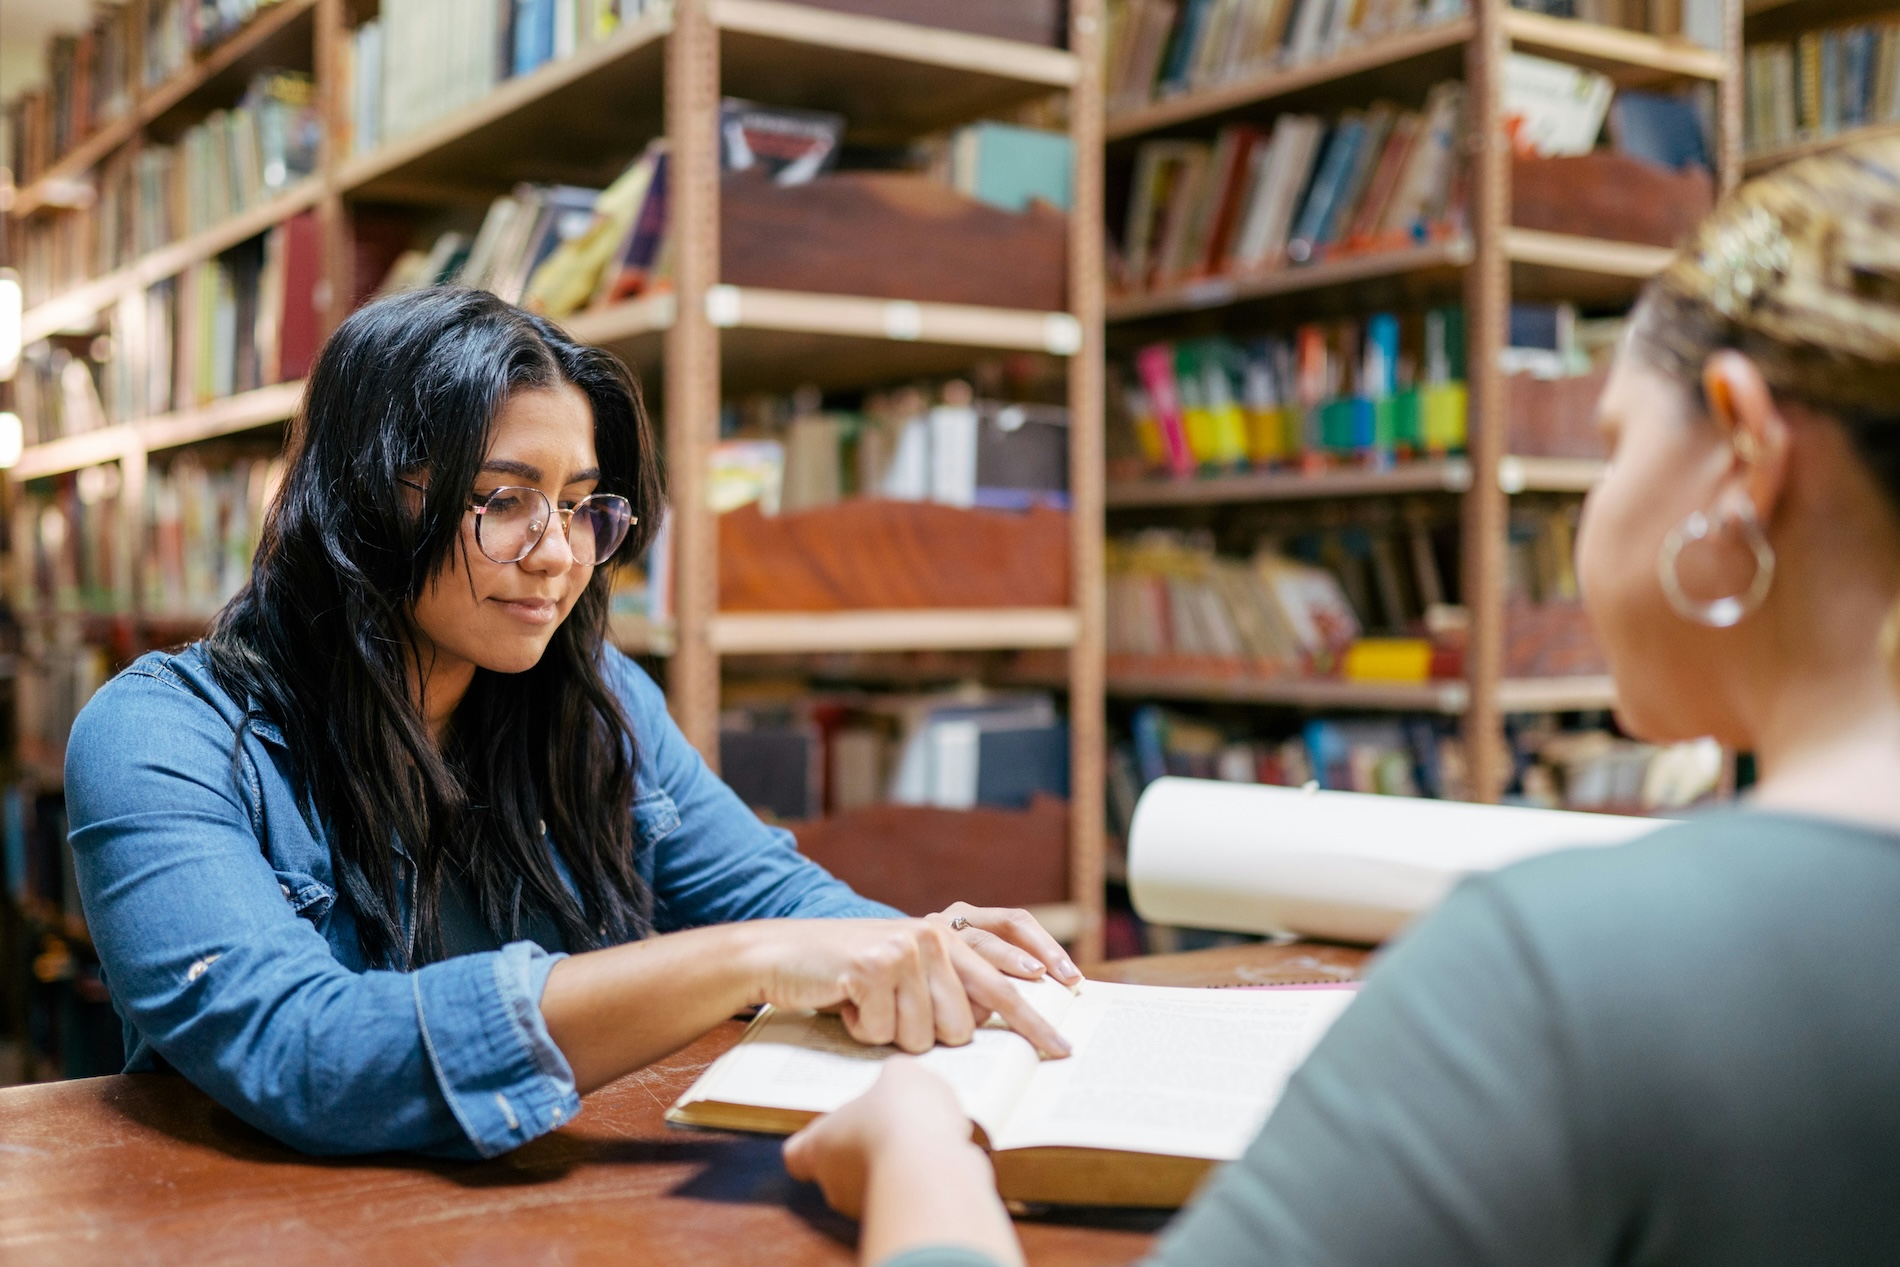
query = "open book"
{"x": 1343, "y": 866}
{"x": 1163, "y": 1084}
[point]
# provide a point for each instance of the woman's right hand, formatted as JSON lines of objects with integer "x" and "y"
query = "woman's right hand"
{"x": 907, "y": 982}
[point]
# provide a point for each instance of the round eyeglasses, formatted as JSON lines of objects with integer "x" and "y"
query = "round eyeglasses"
{"x": 511, "y": 520}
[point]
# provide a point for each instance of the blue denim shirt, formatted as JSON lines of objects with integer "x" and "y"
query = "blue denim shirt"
{"x": 210, "y": 897}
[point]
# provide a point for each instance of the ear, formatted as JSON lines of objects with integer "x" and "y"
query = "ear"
{"x": 1743, "y": 407}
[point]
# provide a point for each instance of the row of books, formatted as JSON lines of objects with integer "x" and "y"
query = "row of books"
{"x": 201, "y": 529}
{"x": 824, "y": 754}
{"x": 420, "y": 60}
{"x": 195, "y": 534}
{"x": 238, "y": 321}
{"x": 1393, "y": 756}
{"x": 1171, "y": 597}
{"x": 557, "y": 248}
{"x": 1365, "y": 392}
{"x": 1253, "y": 201}
{"x": 939, "y": 445}
{"x": 1167, "y": 48}
{"x": 94, "y": 76}
{"x": 231, "y": 161}
{"x": 1822, "y": 83}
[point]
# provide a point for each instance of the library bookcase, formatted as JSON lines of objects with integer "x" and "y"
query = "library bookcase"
{"x": 660, "y": 74}
{"x": 1488, "y": 265}
{"x": 1769, "y": 23}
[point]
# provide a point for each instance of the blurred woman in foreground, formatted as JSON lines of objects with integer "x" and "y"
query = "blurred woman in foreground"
{"x": 1686, "y": 1049}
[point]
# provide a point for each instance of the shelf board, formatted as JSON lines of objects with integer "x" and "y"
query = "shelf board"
{"x": 1557, "y": 694}
{"x": 1550, "y": 475}
{"x": 78, "y": 308}
{"x": 893, "y": 81}
{"x": 261, "y": 30}
{"x": 1296, "y": 692}
{"x": 1628, "y": 57}
{"x": 1517, "y": 695}
{"x": 1448, "y": 476}
{"x": 229, "y": 416}
{"x": 1222, "y": 292}
{"x": 1586, "y": 255}
{"x": 1758, "y": 161}
{"x": 740, "y": 633}
{"x": 636, "y": 635}
{"x": 576, "y": 120}
{"x": 1278, "y": 82}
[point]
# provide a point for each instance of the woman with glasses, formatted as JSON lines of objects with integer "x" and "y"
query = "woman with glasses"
{"x": 404, "y": 855}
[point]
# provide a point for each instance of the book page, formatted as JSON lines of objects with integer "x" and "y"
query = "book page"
{"x": 1180, "y": 1072}
{"x": 808, "y": 1062}
{"x": 1338, "y": 865}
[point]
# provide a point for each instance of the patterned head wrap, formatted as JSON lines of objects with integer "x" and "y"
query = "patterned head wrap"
{"x": 1800, "y": 269}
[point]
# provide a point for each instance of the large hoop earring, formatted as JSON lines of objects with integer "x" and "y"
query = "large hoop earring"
{"x": 1731, "y": 609}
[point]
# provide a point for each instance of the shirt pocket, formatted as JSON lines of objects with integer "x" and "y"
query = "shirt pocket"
{"x": 308, "y": 896}
{"x": 655, "y": 817}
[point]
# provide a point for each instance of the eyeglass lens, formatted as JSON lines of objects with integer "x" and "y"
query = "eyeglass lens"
{"x": 512, "y": 522}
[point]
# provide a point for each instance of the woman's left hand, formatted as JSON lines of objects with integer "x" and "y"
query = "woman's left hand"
{"x": 1011, "y": 939}
{"x": 908, "y": 1111}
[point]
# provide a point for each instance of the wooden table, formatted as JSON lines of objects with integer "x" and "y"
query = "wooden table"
{"x": 145, "y": 1169}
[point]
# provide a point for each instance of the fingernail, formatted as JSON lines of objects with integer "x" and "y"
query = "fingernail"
{"x": 1062, "y": 1047}
{"x": 1066, "y": 968}
{"x": 1030, "y": 965}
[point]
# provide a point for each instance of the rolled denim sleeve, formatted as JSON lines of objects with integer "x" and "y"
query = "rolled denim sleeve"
{"x": 709, "y": 858}
{"x": 212, "y": 969}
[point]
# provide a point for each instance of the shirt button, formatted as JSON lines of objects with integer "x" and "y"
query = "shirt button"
{"x": 285, "y": 888}
{"x": 541, "y": 825}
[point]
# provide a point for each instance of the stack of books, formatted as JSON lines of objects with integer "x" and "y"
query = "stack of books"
{"x": 420, "y": 60}
{"x": 1253, "y": 201}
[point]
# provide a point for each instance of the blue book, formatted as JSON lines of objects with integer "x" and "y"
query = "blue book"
{"x": 1180, "y": 61}
{"x": 1857, "y": 50}
{"x": 1658, "y": 129}
{"x": 534, "y": 34}
{"x": 1329, "y": 181}
{"x": 1007, "y": 166}
{"x": 1150, "y": 728}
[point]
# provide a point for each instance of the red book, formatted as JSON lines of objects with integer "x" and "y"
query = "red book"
{"x": 300, "y": 331}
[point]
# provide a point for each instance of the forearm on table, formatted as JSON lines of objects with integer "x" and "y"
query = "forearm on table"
{"x": 916, "y": 1198}
{"x": 613, "y": 1011}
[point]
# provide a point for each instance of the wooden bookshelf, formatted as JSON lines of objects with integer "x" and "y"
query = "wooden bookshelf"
{"x": 270, "y": 30}
{"x": 579, "y": 120}
{"x": 1494, "y": 264}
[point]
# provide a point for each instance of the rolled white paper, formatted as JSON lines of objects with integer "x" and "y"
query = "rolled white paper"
{"x": 1346, "y": 866}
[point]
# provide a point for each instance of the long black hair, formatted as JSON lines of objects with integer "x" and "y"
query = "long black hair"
{"x": 319, "y": 642}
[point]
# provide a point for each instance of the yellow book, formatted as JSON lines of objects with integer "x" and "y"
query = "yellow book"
{"x": 1388, "y": 660}
{"x": 1442, "y": 406}
{"x": 1164, "y": 1084}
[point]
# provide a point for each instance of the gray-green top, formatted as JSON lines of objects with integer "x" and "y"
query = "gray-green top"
{"x": 1684, "y": 1050}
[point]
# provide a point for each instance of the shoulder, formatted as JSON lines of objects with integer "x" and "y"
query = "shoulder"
{"x": 638, "y": 693}
{"x": 159, "y": 688}
{"x": 1736, "y": 857}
